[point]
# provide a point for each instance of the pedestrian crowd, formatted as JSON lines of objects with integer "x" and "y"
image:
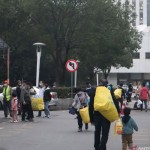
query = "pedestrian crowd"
{"x": 120, "y": 97}
{"x": 18, "y": 101}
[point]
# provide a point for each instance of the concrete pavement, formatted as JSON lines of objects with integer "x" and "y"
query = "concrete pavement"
{"x": 60, "y": 133}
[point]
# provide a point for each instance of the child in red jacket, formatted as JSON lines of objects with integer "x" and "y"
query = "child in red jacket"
{"x": 14, "y": 108}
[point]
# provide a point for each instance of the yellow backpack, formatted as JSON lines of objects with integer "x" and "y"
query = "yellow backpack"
{"x": 104, "y": 104}
{"x": 118, "y": 93}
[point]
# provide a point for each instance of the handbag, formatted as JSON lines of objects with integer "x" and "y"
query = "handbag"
{"x": 72, "y": 111}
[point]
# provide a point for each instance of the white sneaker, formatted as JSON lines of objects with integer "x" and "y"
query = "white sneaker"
{"x": 15, "y": 121}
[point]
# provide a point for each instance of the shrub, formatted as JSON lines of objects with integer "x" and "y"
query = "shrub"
{"x": 62, "y": 92}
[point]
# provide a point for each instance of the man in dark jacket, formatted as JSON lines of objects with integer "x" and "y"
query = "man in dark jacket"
{"x": 102, "y": 125}
{"x": 25, "y": 101}
{"x": 47, "y": 99}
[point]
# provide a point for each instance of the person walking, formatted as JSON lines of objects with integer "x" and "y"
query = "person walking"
{"x": 14, "y": 108}
{"x": 18, "y": 92}
{"x": 91, "y": 92}
{"x": 116, "y": 102}
{"x": 7, "y": 99}
{"x": 80, "y": 101}
{"x": 102, "y": 125}
{"x": 128, "y": 125}
{"x": 123, "y": 96}
{"x": 144, "y": 94}
{"x": 47, "y": 99}
{"x": 129, "y": 92}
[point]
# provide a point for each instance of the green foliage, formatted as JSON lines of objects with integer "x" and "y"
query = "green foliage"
{"x": 62, "y": 92}
{"x": 110, "y": 38}
{"x": 96, "y": 32}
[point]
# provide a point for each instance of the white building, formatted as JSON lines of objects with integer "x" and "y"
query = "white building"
{"x": 141, "y": 62}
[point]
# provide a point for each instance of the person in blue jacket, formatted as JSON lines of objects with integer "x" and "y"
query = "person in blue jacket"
{"x": 128, "y": 126}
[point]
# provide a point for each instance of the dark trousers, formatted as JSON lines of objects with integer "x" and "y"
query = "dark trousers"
{"x": 24, "y": 111}
{"x": 80, "y": 124}
{"x": 19, "y": 108}
{"x": 7, "y": 107}
{"x": 29, "y": 111}
{"x": 39, "y": 113}
{"x": 102, "y": 127}
{"x": 145, "y": 103}
{"x": 129, "y": 98}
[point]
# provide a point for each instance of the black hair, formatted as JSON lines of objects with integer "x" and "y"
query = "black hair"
{"x": 127, "y": 111}
{"x": 103, "y": 82}
{"x": 14, "y": 94}
{"x": 121, "y": 84}
{"x": 143, "y": 84}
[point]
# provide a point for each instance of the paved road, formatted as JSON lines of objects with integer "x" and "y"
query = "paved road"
{"x": 60, "y": 133}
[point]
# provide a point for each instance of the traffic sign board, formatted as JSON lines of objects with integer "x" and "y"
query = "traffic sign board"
{"x": 71, "y": 65}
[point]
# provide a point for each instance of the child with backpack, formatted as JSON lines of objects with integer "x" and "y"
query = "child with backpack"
{"x": 128, "y": 125}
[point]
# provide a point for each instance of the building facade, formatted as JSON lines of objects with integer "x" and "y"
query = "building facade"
{"x": 141, "y": 63}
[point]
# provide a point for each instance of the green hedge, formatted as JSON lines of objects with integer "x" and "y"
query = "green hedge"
{"x": 62, "y": 92}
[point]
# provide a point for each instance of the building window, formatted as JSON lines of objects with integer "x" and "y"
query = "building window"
{"x": 136, "y": 55}
{"x": 147, "y": 55}
{"x": 148, "y": 12}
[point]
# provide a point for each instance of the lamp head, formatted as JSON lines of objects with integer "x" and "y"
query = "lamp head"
{"x": 39, "y": 44}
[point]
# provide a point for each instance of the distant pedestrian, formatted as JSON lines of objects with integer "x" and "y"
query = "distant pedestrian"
{"x": 91, "y": 92}
{"x": 32, "y": 93}
{"x": 116, "y": 102}
{"x": 26, "y": 102}
{"x": 18, "y": 92}
{"x": 122, "y": 95}
{"x": 129, "y": 92}
{"x": 80, "y": 101}
{"x": 41, "y": 95}
{"x": 14, "y": 108}
{"x": 47, "y": 99}
{"x": 7, "y": 98}
{"x": 128, "y": 125}
{"x": 144, "y": 95}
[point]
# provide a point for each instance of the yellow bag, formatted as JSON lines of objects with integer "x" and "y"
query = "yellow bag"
{"x": 118, "y": 93}
{"x": 84, "y": 112}
{"x": 37, "y": 103}
{"x": 104, "y": 104}
{"x": 118, "y": 127}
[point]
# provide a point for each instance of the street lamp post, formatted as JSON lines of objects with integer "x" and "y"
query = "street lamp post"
{"x": 38, "y": 51}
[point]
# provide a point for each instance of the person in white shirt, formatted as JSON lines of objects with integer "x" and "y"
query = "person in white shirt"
{"x": 41, "y": 94}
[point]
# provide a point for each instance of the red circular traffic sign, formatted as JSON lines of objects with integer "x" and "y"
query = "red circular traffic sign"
{"x": 72, "y": 65}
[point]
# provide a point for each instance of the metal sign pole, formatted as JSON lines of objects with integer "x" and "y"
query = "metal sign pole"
{"x": 71, "y": 84}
